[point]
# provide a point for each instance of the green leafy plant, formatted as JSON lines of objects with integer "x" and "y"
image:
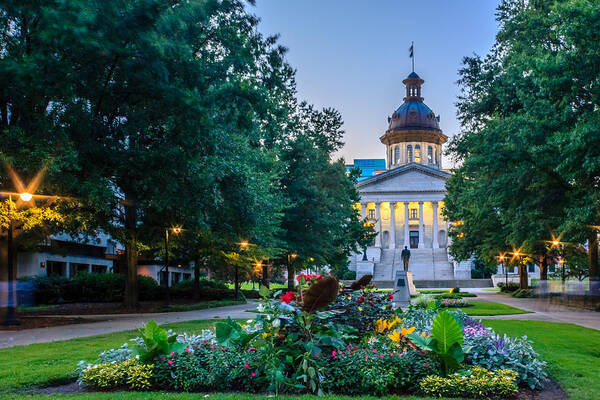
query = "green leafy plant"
{"x": 474, "y": 383}
{"x": 231, "y": 333}
{"x": 445, "y": 342}
{"x": 156, "y": 342}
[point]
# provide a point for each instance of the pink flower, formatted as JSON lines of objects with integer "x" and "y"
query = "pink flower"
{"x": 170, "y": 362}
{"x": 172, "y": 353}
{"x": 186, "y": 350}
{"x": 253, "y": 374}
{"x": 366, "y": 357}
{"x": 162, "y": 359}
{"x": 212, "y": 347}
{"x": 333, "y": 353}
{"x": 246, "y": 366}
{"x": 199, "y": 345}
{"x": 374, "y": 350}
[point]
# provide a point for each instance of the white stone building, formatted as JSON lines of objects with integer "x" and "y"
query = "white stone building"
{"x": 406, "y": 200}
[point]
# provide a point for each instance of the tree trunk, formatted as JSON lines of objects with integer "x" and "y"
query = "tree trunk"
{"x": 265, "y": 275}
{"x": 290, "y": 279}
{"x": 131, "y": 286}
{"x": 544, "y": 269}
{"x": 523, "y": 284}
{"x": 197, "y": 279}
{"x": 593, "y": 264}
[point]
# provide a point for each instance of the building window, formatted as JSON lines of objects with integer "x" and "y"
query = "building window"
{"x": 430, "y": 155}
{"x": 413, "y": 213}
{"x": 99, "y": 269}
{"x": 409, "y": 153}
{"x": 396, "y": 154}
{"x": 531, "y": 268}
{"x": 417, "y": 153}
{"x": 371, "y": 213}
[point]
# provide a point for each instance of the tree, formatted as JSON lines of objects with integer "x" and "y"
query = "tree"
{"x": 154, "y": 113}
{"x": 320, "y": 221}
{"x": 527, "y": 111}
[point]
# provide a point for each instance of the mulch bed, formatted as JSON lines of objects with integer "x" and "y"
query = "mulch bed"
{"x": 31, "y": 322}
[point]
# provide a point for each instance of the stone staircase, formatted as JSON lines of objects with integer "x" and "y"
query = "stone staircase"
{"x": 425, "y": 264}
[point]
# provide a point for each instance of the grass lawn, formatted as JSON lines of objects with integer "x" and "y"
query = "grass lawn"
{"x": 490, "y": 308}
{"x": 494, "y": 289}
{"x": 204, "y": 305}
{"x": 572, "y": 353}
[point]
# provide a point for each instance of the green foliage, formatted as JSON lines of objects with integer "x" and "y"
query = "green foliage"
{"x": 231, "y": 333}
{"x": 527, "y": 152}
{"x": 523, "y": 293}
{"x": 477, "y": 383}
{"x": 508, "y": 287}
{"x": 128, "y": 374}
{"x": 157, "y": 342}
{"x": 361, "y": 372}
{"x": 445, "y": 341}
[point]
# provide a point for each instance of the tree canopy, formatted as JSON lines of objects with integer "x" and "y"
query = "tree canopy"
{"x": 528, "y": 151}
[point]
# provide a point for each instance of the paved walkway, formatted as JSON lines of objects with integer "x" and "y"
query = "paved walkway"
{"x": 116, "y": 323}
{"x": 542, "y": 310}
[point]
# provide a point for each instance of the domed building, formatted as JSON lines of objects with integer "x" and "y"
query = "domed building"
{"x": 405, "y": 201}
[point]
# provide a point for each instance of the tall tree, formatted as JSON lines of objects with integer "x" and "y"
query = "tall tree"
{"x": 528, "y": 160}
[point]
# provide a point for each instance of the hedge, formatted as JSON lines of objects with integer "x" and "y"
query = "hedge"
{"x": 109, "y": 288}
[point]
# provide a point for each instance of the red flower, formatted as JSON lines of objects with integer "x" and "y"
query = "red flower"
{"x": 360, "y": 300}
{"x": 390, "y": 297}
{"x": 288, "y": 297}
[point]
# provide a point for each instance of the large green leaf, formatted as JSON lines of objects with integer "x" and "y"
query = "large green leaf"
{"x": 446, "y": 331}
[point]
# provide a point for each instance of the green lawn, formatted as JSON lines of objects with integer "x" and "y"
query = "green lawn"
{"x": 572, "y": 353}
{"x": 495, "y": 289}
{"x": 479, "y": 308}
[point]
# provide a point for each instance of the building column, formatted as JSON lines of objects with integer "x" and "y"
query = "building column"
{"x": 378, "y": 225}
{"x": 363, "y": 211}
{"x": 392, "y": 224}
{"x": 406, "y": 234}
{"x": 421, "y": 233}
{"x": 436, "y": 244}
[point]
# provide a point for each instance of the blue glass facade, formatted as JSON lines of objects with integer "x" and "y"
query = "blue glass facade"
{"x": 368, "y": 167}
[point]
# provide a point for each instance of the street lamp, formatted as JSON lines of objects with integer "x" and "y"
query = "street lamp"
{"x": 11, "y": 316}
{"x": 176, "y": 230}
{"x": 501, "y": 257}
{"x": 561, "y": 261}
{"x": 236, "y": 282}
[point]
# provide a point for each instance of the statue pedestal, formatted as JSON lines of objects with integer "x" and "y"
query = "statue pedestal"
{"x": 411, "y": 286}
{"x": 364, "y": 268}
{"x": 401, "y": 289}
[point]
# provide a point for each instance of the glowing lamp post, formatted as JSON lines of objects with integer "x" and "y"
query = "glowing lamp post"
{"x": 176, "y": 230}
{"x": 11, "y": 316}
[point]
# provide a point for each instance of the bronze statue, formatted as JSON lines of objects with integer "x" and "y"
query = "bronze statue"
{"x": 405, "y": 257}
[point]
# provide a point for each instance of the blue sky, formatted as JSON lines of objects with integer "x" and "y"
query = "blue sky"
{"x": 353, "y": 55}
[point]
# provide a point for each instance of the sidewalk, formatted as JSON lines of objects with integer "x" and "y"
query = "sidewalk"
{"x": 116, "y": 323}
{"x": 542, "y": 310}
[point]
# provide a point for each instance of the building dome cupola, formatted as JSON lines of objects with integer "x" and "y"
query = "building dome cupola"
{"x": 413, "y": 133}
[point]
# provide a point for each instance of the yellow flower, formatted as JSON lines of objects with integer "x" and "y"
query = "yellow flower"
{"x": 407, "y": 331}
{"x": 395, "y": 336}
{"x": 265, "y": 335}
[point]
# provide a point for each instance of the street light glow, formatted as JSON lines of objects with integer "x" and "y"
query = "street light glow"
{"x": 555, "y": 242}
{"x": 176, "y": 230}
{"x": 26, "y": 196}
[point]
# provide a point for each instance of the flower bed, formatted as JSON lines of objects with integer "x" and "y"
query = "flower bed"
{"x": 316, "y": 340}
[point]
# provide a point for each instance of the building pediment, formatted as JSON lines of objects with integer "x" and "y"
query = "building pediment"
{"x": 407, "y": 178}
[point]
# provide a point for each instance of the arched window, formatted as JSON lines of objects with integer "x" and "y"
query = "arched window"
{"x": 417, "y": 153}
{"x": 396, "y": 154}
{"x": 430, "y": 155}
{"x": 409, "y": 153}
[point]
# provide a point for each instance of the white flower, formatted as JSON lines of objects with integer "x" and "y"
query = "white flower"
{"x": 277, "y": 323}
{"x": 260, "y": 308}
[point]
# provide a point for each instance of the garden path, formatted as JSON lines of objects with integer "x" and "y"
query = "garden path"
{"x": 541, "y": 309}
{"x": 116, "y": 323}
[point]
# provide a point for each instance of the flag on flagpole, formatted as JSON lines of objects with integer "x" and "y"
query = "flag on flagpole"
{"x": 411, "y": 51}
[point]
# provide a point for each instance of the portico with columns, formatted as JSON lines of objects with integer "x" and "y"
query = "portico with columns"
{"x": 405, "y": 203}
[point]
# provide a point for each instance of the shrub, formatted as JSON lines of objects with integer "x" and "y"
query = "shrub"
{"x": 360, "y": 309}
{"x": 120, "y": 374}
{"x": 349, "y": 275}
{"x": 523, "y": 293}
{"x": 455, "y": 303}
{"x": 476, "y": 383}
{"x": 361, "y": 371}
{"x": 423, "y": 300}
{"x": 508, "y": 288}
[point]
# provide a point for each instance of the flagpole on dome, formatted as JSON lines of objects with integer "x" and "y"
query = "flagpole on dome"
{"x": 411, "y": 51}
